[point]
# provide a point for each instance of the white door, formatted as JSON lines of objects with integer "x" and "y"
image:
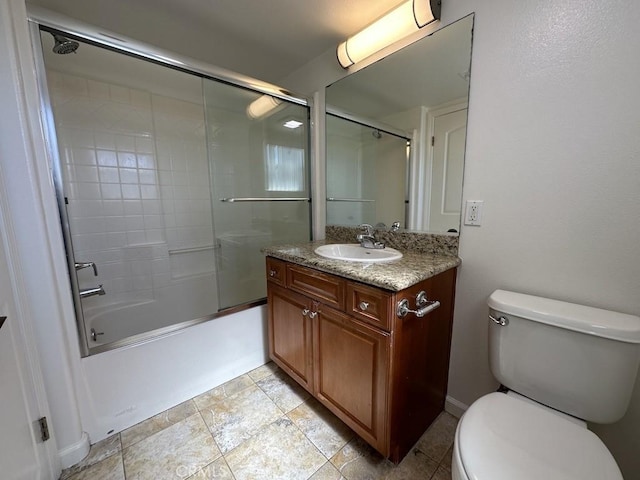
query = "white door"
{"x": 450, "y": 132}
{"x": 23, "y": 455}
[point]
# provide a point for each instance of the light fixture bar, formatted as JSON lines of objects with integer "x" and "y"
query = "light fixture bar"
{"x": 407, "y": 18}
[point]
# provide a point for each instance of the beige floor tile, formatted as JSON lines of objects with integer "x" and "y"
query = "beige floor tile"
{"x": 413, "y": 466}
{"x": 158, "y": 422}
{"x": 172, "y": 453}
{"x": 217, "y": 470}
{"x": 323, "y": 428}
{"x": 442, "y": 474}
{"x": 358, "y": 461}
{"x": 223, "y": 391}
{"x": 279, "y": 451}
{"x": 234, "y": 419}
{"x": 108, "y": 469}
{"x": 263, "y": 371}
{"x": 283, "y": 390}
{"x": 99, "y": 451}
{"x": 327, "y": 472}
{"x": 439, "y": 437}
{"x": 446, "y": 461}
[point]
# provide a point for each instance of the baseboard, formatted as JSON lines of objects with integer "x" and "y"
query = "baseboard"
{"x": 75, "y": 453}
{"x": 454, "y": 407}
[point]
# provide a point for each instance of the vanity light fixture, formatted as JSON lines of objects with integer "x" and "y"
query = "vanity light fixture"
{"x": 407, "y": 18}
{"x": 262, "y": 106}
{"x": 292, "y": 124}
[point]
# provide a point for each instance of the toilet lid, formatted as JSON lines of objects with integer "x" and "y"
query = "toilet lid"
{"x": 503, "y": 438}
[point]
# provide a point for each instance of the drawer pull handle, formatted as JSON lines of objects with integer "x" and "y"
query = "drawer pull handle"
{"x": 363, "y": 306}
{"x": 305, "y": 312}
{"x": 403, "y": 308}
{"x": 272, "y": 273}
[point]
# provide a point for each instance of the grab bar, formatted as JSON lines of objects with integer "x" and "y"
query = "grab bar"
{"x": 333, "y": 199}
{"x": 265, "y": 199}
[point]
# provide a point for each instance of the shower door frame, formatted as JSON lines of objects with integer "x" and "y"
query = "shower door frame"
{"x": 44, "y": 20}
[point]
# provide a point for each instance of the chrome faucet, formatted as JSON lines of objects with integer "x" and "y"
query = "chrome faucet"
{"x": 90, "y": 292}
{"x": 367, "y": 238}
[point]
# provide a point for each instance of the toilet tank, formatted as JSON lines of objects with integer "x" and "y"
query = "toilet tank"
{"x": 580, "y": 360}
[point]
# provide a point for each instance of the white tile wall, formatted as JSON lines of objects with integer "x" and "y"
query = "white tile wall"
{"x": 136, "y": 175}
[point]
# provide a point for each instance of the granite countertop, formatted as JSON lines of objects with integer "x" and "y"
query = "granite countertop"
{"x": 412, "y": 268}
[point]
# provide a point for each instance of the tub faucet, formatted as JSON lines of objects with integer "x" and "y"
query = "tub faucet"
{"x": 90, "y": 292}
{"x": 367, "y": 238}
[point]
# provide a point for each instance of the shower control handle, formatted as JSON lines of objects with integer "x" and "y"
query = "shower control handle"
{"x": 90, "y": 292}
{"x": 81, "y": 265}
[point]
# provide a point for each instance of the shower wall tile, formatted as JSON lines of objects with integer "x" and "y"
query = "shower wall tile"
{"x": 136, "y": 174}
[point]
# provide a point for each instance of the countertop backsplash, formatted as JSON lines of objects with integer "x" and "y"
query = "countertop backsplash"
{"x": 418, "y": 242}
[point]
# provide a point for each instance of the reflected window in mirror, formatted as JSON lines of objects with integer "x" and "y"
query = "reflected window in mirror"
{"x": 420, "y": 93}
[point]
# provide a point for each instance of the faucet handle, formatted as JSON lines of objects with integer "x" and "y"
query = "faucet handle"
{"x": 368, "y": 228}
{"x": 395, "y": 226}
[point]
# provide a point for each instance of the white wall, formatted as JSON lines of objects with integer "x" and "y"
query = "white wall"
{"x": 553, "y": 149}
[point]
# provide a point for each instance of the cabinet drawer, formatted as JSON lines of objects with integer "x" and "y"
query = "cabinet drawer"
{"x": 369, "y": 304}
{"x": 276, "y": 271}
{"x": 322, "y": 287}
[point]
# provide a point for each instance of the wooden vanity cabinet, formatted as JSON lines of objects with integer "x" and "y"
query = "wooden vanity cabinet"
{"x": 384, "y": 376}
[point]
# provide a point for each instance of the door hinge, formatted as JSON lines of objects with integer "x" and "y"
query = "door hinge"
{"x": 433, "y": 141}
{"x": 44, "y": 428}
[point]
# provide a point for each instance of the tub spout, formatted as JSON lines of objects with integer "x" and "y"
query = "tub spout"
{"x": 90, "y": 292}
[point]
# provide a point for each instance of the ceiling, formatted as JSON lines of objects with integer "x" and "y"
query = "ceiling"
{"x": 265, "y": 39}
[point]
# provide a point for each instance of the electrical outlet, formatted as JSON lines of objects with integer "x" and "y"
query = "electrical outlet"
{"x": 473, "y": 212}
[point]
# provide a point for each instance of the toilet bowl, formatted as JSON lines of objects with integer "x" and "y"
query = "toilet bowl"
{"x": 569, "y": 363}
{"x": 502, "y": 437}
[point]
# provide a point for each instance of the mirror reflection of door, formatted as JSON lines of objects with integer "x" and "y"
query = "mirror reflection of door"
{"x": 449, "y": 134}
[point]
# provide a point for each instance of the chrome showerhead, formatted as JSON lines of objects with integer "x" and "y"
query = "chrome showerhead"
{"x": 64, "y": 45}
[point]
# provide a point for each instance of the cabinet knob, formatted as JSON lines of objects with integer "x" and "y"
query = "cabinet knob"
{"x": 305, "y": 312}
{"x": 272, "y": 273}
{"x": 363, "y": 306}
{"x": 313, "y": 314}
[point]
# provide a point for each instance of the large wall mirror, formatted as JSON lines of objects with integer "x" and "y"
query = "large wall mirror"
{"x": 396, "y": 133}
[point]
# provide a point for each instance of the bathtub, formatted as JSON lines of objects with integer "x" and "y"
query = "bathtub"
{"x": 183, "y": 300}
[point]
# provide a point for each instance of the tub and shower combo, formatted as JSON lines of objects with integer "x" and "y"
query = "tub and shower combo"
{"x": 170, "y": 177}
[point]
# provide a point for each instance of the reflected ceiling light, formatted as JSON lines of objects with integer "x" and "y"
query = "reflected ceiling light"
{"x": 292, "y": 124}
{"x": 263, "y": 105}
{"x": 405, "y": 19}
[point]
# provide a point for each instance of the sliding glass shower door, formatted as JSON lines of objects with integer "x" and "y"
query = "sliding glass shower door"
{"x": 169, "y": 184}
{"x": 258, "y": 153}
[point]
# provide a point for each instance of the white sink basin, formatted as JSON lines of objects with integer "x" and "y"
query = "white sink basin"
{"x": 353, "y": 252}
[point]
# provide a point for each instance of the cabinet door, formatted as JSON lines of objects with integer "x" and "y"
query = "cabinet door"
{"x": 351, "y": 367}
{"x": 290, "y": 335}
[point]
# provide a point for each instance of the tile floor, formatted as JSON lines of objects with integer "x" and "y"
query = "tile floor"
{"x": 261, "y": 425}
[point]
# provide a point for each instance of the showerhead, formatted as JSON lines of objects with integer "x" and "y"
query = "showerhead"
{"x": 64, "y": 45}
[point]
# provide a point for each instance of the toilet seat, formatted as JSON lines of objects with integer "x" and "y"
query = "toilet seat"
{"x": 501, "y": 437}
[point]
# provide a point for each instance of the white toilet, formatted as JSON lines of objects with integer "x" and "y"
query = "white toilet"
{"x": 563, "y": 364}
